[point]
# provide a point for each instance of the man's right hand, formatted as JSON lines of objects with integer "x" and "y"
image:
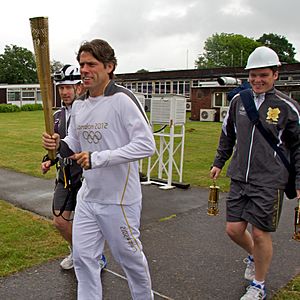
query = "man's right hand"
{"x": 50, "y": 142}
{"x": 215, "y": 172}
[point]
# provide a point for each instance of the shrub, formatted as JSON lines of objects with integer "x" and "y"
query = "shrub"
{"x": 4, "y": 108}
{"x": 31, "y": 107}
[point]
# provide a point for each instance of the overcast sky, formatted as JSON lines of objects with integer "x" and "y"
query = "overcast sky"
{"x": 152, "y": 35}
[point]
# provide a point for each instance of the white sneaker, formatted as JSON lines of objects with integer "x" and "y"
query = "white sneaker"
{"x": 67, "y": 263}
{"x": 102, "y": 262}
{"x": 255, "y": 292}
{"x": 250, "y": 269}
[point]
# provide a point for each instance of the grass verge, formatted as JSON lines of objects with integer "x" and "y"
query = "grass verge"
{"x": 26, "y": 240}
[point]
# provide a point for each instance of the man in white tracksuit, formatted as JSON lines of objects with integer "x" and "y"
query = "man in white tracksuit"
{"x": 108, "y": 134}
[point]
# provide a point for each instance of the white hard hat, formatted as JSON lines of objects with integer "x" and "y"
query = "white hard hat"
{"x": 67, "y": 75}
{"x": 262, "y": 57}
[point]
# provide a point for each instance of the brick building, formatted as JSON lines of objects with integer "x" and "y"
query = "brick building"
{"x": 199, "y": 86}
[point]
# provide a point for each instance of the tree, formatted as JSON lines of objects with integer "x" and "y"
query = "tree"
{"x": 226, "y": 50}
{"x": 280, "y": 44}
{"x": 142, "y": 71}
{"x": 55, "y": 66}
{"x": 17, "y": 65}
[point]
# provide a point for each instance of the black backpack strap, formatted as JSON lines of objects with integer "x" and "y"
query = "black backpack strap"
{"x": 249, "y": 105}
{"x": 248, "y": 102}
{"x": 67, "y": 185}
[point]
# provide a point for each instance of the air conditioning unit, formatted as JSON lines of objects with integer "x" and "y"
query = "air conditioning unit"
{"x": 207, "y": 115}
{"x": 223, "y": 113}
{"x": 188, "y": 106}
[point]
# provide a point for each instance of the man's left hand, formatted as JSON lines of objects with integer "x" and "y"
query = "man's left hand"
{"x": 82, "y": 159}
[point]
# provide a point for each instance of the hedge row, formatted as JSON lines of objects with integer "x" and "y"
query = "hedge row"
{"x": 4, "y": 108}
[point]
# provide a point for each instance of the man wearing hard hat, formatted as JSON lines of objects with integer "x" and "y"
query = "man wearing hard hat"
{"x": 258, "y": 175}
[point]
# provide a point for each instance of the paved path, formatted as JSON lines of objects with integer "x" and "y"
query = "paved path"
{"x": 189, "y": 255}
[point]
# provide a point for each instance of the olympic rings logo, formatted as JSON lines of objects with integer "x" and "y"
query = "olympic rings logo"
{"x": 92, "y": 136}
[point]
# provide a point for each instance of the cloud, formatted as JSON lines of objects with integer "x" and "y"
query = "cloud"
{"x": 171, "y": 34}
{"x": 153, "y": 35}
{"x": 236, "y": 8}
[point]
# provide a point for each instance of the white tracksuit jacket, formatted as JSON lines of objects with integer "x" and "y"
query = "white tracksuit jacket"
{"x": 114, "y": 128}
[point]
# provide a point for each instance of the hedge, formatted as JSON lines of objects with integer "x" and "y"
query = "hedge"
{"x": 4, "y": 108}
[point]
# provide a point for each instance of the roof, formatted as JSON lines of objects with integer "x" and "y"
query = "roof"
{"x": 238, "y": 72}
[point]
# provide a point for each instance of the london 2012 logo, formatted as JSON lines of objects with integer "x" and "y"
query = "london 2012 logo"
{"x": 93, "y": 137}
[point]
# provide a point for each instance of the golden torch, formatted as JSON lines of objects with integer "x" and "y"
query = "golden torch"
{"x": 213, "y": 200}
{"x": 40, "y": 38}
{"x": 296, "y": 235}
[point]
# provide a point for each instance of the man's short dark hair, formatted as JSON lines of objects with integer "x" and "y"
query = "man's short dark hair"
{"x": 101, "y": 50}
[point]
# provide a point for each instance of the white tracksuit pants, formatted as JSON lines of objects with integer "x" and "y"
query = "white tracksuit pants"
{"x": 96, "y": 223}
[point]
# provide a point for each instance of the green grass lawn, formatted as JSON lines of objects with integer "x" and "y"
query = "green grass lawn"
{"x": 27, "y": 240}
{"x": 21, "y": 149}
{"x": 20, "y": 135}
{"x": 201, "y": 141}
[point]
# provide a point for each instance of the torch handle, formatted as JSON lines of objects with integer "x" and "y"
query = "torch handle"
{"x": 40, "y": 38}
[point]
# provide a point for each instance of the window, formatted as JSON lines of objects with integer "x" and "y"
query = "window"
{"x": 39, "y": 95}
{"x": 133, "y": 86}
{"x": 13, "y": 95}
{"x": 180, "y": 92}
{"x": 162, "y": 87}
{"x": 139, "y": 89}
{"x": 175, "y": 87}
{"x": 144, "y": 87}
{"x": 283, "y": 78}
{"x": 28, "y": 95}
{"x": 295, "y": 95}
{"x": 195, "y": 83}
{"x": 149, "y": 87}
{"x": 168, "y": 87}
{"x": 187, "y": 88}
{"x": 226, "y": 101}
{"x": 220, "y": 99}
{"x": 156, "y": 87}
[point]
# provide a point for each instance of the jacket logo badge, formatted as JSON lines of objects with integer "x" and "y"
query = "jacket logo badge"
{"x": 273, "y": 115}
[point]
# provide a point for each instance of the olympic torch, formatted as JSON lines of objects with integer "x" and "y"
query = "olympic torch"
{"x": 40, "y": 38}
{"x": 213, "y": 200}
{"x": 296, "y": 235}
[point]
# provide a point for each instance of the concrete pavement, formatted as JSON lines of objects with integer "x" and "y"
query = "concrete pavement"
{"x": 189, "y": 255}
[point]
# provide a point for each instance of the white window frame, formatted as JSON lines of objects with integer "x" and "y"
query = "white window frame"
{"x": 223, "y": 99}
